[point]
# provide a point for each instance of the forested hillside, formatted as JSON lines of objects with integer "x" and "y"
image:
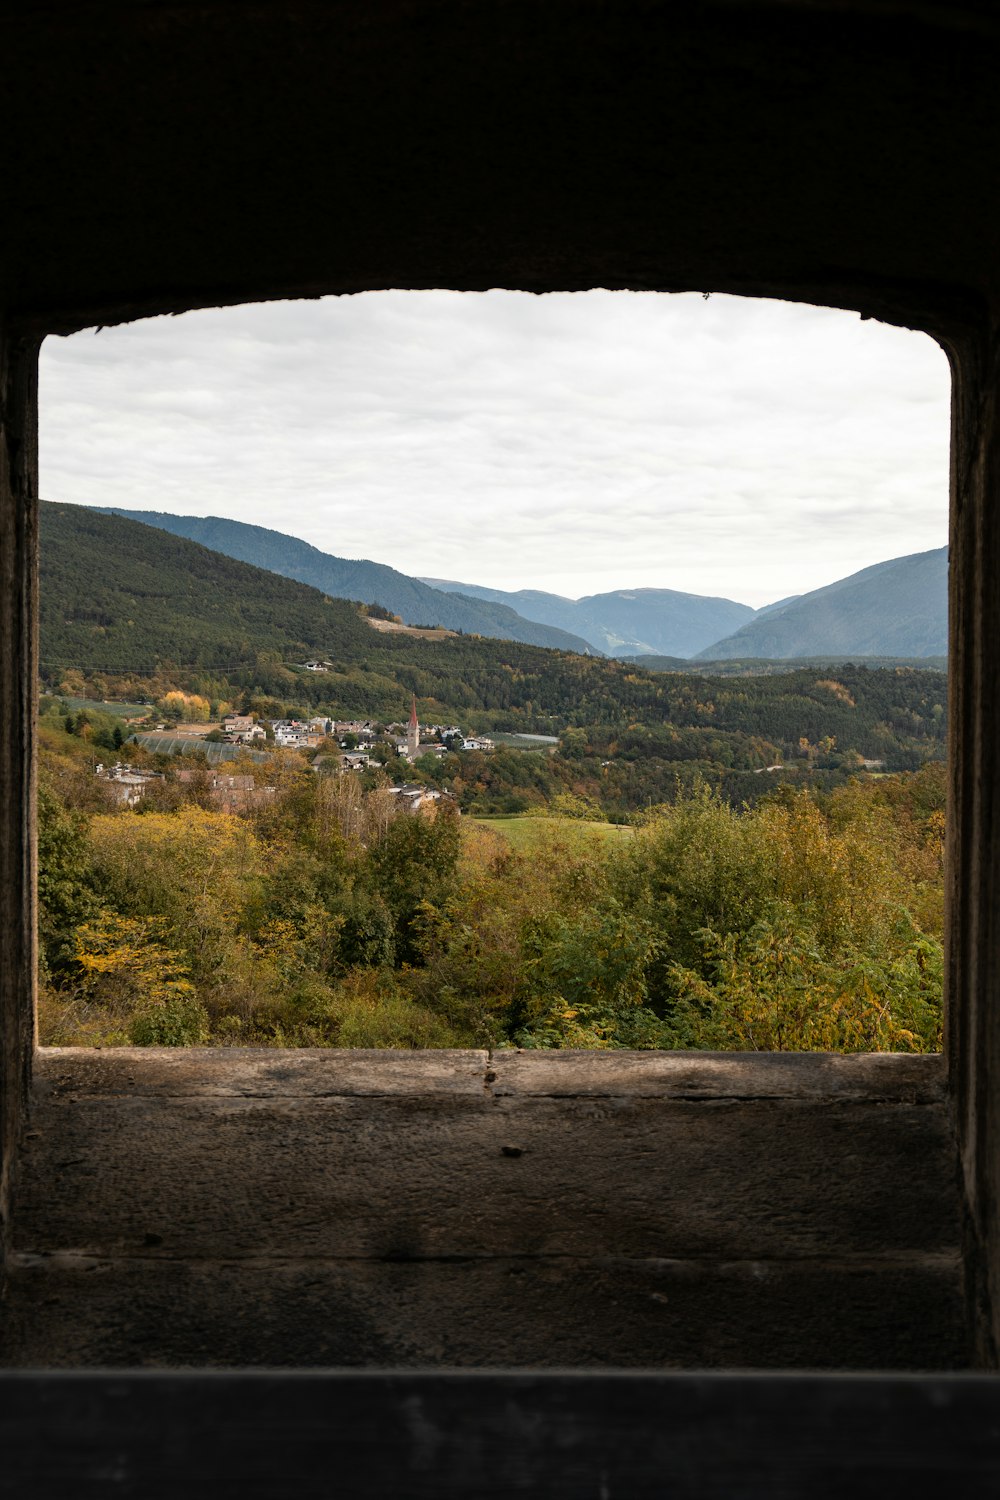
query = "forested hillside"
{"x": 117, "y": 597}
{"x": 347, "y": 578}
{"x": 897, "y": 608}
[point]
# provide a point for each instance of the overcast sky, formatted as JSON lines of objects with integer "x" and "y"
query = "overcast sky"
{"x": 572, "y": 442}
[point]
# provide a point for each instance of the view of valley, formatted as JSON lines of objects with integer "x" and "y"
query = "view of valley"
{"x": 293, "y": 799}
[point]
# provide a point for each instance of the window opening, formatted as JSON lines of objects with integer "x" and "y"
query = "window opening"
{"x": 698, "y": 803}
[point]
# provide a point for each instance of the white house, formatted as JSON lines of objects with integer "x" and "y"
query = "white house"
{"x": 355, "y": 761}
{"x": 238, "y": 724}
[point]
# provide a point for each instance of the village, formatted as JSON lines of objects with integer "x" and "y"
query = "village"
{"x": 342, "y": 746}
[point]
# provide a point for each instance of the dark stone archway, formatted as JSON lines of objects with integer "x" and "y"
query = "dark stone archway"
{"x": 162, "y": 156}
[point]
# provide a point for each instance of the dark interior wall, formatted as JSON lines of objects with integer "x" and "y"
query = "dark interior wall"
{"x": 974, "y": 817}
{"x": 18, "y": 675}
{"x": 168, "y": 155}
{"x": 172, "y": 154}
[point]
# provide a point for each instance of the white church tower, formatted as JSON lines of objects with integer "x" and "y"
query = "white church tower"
{"x": 413, "y": 733}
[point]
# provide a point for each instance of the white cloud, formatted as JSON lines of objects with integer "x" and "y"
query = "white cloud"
{"x": 574, "y": 442}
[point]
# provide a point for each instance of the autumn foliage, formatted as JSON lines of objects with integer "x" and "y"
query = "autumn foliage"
{"x": 322, "y": 916}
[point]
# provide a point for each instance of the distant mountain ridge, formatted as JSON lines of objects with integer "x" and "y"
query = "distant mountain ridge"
{"x": 361, "y": 580}
{"x": 896, "y": 608}
{"x": 624, "y": 622}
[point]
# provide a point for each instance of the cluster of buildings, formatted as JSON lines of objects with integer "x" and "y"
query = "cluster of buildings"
{"x": 127, "y": 785}
{"x": 228, "y": 792}
{"x": 293, "y": 734}
{"x": 235, "y": 793}
{"x": 242, "y": 729}
{"x": 356, "y": 737}
{"x": 424, "y": 800}
{"x": 232, "y": 791}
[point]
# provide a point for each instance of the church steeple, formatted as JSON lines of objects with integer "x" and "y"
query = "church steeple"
{"x": 413, "y": 732}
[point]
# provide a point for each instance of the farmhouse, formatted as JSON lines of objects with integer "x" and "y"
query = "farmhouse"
{"x": 413, "y": 798}
{"x": 238, "y": 724}
{"x": 362, "y": 729}
{"x": 126, "y": 785}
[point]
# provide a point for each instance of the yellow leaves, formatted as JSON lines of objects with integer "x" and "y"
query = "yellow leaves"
{"x": 199, "y": 871}
{"x": 191, "y": 707}
{"x": 935, "y": 828}
{"x": 280, "y": 942}
{"x": 561, "y": 1025}
{"x": 277, "y": 938}
{"x": 131, "y": 978}
{"x": 73, "y": 684}
{"x": 132, "y": 948}
{"x": 208, "y": 854}
{"x": 773, "y": 989}
{"x": 140, "y": 986}
{"x": 187, "y": 826}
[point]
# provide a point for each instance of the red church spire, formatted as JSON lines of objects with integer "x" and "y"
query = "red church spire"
{"x": 413, "y": 714}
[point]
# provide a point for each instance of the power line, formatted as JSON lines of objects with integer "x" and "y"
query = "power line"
{"x": 148, "y": 669}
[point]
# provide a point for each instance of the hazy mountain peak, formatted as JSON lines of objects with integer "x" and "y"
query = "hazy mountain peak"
{"x": 894, "y": 608}
{"x": 625, "y": 622}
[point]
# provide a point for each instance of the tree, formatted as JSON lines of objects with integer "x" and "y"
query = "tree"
{"x": 65, "y": 892}
{"x": 141, "y": 985}
{"x": 413, "y": 866}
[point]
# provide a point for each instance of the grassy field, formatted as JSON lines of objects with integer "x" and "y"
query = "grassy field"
{"x": 526, "y": 832}
{"x": 545, "y": 742}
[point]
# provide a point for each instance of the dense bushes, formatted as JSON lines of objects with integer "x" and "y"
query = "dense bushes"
{"x": 322, "y": 917}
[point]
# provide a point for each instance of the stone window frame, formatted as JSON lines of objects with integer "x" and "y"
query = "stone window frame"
{"x": 846, "y": 191}
{"x": 20, "y": 901}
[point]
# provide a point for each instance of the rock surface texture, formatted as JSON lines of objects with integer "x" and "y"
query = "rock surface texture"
{"x": 514, "y": 1209}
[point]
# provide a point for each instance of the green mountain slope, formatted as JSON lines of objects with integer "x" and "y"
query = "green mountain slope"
{"x": 343, "y": 578}
{"x": 120, "y": 597}
{"x": 128, "y": 600}
{"x": 897, "y": 608}
{"x": 624, "y": 622}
